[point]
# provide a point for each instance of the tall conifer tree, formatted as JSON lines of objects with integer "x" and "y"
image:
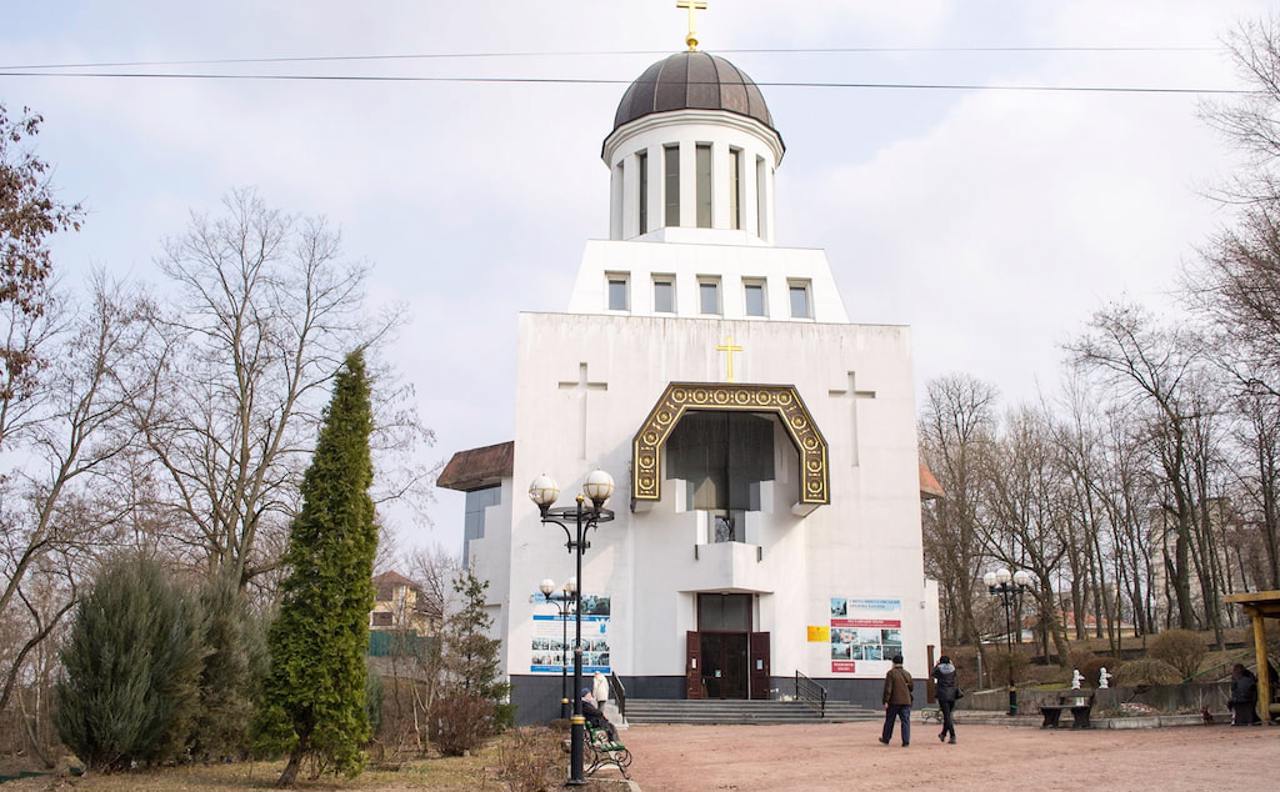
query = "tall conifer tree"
{"x": 314, "y": 696}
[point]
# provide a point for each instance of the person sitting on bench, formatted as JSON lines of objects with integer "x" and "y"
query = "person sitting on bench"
{"x": 595, "y": 718}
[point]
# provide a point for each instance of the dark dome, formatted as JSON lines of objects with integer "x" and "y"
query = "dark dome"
{"x": 692, "y": 81}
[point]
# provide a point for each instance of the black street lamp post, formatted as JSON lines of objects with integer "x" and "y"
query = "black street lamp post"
{"x": 563, "y": 601}
{"x": 1009, "y": 587}
{"x": 597, "y": 488}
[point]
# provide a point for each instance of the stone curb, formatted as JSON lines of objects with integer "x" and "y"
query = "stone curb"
{"x": 1136, "y": 722}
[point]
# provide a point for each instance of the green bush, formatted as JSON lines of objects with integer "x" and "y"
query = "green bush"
{"x": 373, "y": 702}
{"x": 226, "y": 684}
{"x": 1147, "y": 671}
{"x": 1182, "y": 649}
{"x": 132, "y": 666}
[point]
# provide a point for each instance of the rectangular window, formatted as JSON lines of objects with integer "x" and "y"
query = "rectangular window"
{"x": 704, "y": 184}
{"x": 800, "y": 307}
{"x": 642, "y": 173}
{"x": 762, "y": 204}
{"x": 619, "y": 299}
{"x": 664, "y": 294}
{"x": 755, "y": 298}
{"x": 382, "y": 619}
{"x": 724, "y": 612}
{"x": 473, "y": 516}
{"x": 735, "y": 188}
{"x": 671, "y": 184}
{"x": 709, "y": 296}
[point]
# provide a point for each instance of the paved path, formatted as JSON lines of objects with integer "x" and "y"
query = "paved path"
{"x": 844, "y": 757}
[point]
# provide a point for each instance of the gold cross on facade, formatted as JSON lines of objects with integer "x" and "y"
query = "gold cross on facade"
{"x": 729, "y": 347}
{"x": 692, "y": 38}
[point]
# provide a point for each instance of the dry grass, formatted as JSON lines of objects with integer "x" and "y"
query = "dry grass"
{"x": 446, "y": 774}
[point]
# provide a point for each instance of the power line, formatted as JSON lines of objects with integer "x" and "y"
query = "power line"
{"x": 595, "y": 53}
{"x": 1118, "y": 89}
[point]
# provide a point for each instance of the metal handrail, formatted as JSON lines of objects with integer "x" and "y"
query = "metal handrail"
{"x": 812, "y": 693}
{"x": 619, "y": 694}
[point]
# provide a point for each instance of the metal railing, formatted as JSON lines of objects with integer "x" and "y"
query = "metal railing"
{"x": 619, "y": 694}
{"x": 811, "y": 693}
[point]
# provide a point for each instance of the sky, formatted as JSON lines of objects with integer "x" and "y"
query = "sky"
{"x": 992, "y": 222}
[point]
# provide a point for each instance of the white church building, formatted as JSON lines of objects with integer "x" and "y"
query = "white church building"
{"x": 764, "y": 446}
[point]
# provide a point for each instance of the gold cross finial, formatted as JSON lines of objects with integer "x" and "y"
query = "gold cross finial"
{"x": 692, "y": 6}
{"x": 729, "y": 347}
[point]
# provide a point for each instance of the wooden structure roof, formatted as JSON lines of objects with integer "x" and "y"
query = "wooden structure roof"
{"x": 476, "y": 468}
{"x": 1265, "y": 603}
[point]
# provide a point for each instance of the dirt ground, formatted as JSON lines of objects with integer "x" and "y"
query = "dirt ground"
{"x": 849, "y": 757}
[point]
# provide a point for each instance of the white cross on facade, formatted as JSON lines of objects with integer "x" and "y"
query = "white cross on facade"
{"x": 583, "y": 385}
{"x": 853, "y": 394}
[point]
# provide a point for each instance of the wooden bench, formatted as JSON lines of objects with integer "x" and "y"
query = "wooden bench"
{"x": 1078, "y": 702}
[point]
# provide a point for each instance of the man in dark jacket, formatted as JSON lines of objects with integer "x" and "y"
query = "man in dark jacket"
{"x": 1244, "y": 696}
{"x": 898, "y": 695}
{"x": 594, "y": 717}
{"x": 944, "y": 678}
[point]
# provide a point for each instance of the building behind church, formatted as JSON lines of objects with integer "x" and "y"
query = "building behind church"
{"x": 768, "y": 499}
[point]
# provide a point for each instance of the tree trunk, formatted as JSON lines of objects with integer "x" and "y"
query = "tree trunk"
{"x": 290, "y": 774}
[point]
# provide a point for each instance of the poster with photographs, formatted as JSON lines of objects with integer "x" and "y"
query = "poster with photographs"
{"x": 549, "y": 629}
{"x": 865, "y": 635}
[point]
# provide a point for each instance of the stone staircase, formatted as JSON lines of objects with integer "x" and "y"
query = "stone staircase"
{"x": 715, "y": 711}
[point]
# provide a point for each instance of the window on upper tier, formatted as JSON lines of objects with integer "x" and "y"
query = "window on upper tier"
{"x": 664, "y": 294}
{"x": 735, "y": 188}
{"x": 753, "y": 292}
{"x": 703, "y": 167}
{"x": 642, "y": 173}
{"x": 671, "y": 184}
{"x": 801, "y": 307}
{"x": 619, "y": 297}
{"x": 709, "y": 296}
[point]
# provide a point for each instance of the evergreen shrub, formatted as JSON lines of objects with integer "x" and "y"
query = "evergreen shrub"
{"x": 132, "y": 663}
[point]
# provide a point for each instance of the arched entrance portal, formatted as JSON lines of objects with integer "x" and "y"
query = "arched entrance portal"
{"x": 680, "y": 398}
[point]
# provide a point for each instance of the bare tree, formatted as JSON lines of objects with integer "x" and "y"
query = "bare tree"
{"x": 67, "y": 426}
{"x": 1151, "y": 366}
{"x": 266, "y": 309}
{"x": 956, "y": 430}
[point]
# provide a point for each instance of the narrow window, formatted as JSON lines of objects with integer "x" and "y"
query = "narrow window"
{"x": 762, "y": 213}
{"x": 671, "y": 185}
{"x": 664, "y": 295}
{"x": 709, "y": 296}
{"x": 800, "y": 308}
{"x": 642, "y": 172}
{"x": 618, "y": 293}
{"x": 735, "y": 188}
{"x": 755, "y": 298}
{"x": 704, "y": 184}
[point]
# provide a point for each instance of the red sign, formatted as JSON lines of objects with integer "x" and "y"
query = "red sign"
{"x": 842, "y": 666}
{"x": 896, "y": 623}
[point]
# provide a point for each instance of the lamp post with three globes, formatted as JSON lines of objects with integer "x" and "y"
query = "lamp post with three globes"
{"x": 568, "y": 595}
{"x": 1009, "y": 587}
{"x": 597, "y": 488}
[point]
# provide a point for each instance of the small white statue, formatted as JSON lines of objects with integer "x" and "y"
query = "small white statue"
{"x": 1103, "y": 678}
{"x": 1077, "y": 679}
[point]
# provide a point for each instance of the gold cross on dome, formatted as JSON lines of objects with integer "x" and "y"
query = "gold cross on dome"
{"x": 728, "y": 347}
{"x": 692, "y": 38}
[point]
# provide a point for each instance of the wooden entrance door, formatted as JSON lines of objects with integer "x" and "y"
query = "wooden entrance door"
{"x": 759, "y": 665}
{"x": 693, "y": 666}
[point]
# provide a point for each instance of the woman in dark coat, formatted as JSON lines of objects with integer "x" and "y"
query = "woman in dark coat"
{"x": 944, "y": 678}
{"x": 1244, "y": 696}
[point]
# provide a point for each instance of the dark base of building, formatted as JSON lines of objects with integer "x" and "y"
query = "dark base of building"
{"x": 537, "y": 696}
